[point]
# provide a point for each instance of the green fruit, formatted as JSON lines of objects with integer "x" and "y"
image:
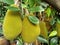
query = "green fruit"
{"x": 30, "y": 31}
{"x": 12, "y": 25}
{"x": 43, "y": 28}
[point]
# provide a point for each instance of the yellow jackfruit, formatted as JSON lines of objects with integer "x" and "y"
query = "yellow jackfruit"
{"x": 29, "y": 31}
{"x": 58, "y": 29}
{"x": 12, "y": 25}
{"x": 43, "y": 28}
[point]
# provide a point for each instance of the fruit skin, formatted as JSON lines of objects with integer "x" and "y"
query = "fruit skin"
{"x": 29, "y": 31}
{"x": 12, "y": 25}
{"x": 44, "y": 31}
{"x": 58, "y": 29}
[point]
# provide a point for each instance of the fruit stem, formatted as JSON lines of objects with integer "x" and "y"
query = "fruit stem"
{"x": 41, "y": 17}
{"x": 27, "y": 43}
{"x": 12, "y": 42}
{"x": 26, "y": 12}
{"x": 17, "y": 2}
{"x": 36, "y": 42}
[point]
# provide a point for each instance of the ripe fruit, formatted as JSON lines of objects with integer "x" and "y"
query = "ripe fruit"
{"x": 43, "y": 28}
{"x": 58, "y": 29}
{"x": 12, "y": 25}
{"x": 30, "y": 31}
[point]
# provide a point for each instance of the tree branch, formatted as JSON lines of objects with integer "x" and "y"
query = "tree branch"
{"x": 54, "y": 3}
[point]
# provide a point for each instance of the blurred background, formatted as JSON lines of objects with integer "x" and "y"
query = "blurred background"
{"x": 2, "y": 14}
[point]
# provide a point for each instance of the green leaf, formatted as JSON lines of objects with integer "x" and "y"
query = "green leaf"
{"x": 12, "y": 8}
{"x": 53, "y": 33}
{"x": 53, "y": 12}
{"x": 36, "y": 9}
{"x": 58, "y": 21}
{"x": 25, "y": 1}
{"x": 48, "y": 12}
{"x": 43, "y": 40}
{"x": 52, "y": 22}
{"x": 44, "y": 4}
{"x": 54, "y": 41}
{"x": 33, "y": 19}
{"x": 31, "y": 3}
{"x": 8, "y": 1}
{"x": 38, "y": 2}
{"x": 24, "y": 6}
{"x": 19, "y": 41}
{"x": 1, "y": 32}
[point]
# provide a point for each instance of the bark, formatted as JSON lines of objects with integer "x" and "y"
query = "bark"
{"x": 54, "y": 3}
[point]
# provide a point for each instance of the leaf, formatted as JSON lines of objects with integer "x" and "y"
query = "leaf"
{"x": 48, "y": 12}
{"x": 19, "y": 41}
{"x": 1, "y": 32}
{"x": 33, "y": 19}
{"x": 25, "y": 1}
{"x": 53, "y": 33}
{"x": 54, "y": 41}
{"x": 12, "y": 8}
{"x": 31, "y": 3}
{"x": 24, "y": 6}
{"x": 44, "y": 4}
{"x": 58, "y": 21}
{"x": 8, "y": 1}
{"x": 53, "y": 21}
{"x": 36, "y": 9}
{"x": 38, "y": 2}
{"x": 53, "y": 12}
{"x": 43, "y": 40}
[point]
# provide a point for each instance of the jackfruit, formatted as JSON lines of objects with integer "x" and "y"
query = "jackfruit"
{"x": 12, "y": 25}
{"x": 58, "y": 29}
{"x": 30, "y": 31}
{"x": 44, "y": 31}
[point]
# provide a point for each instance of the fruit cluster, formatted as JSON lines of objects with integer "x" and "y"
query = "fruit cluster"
{"x": 14, "y": 26}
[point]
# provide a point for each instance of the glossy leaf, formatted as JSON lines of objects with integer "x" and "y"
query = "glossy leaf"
{"x": 8, "y": 1}
{"x": 44, "y": 4}
{"x": 12, "y": 8}
{"x": 38, "y": 2}
{"x": 31, "y": 3}
{"x": 48, "y": 12}
{"x": 58, "y": 21}
{"x": 53, "y": 33}
{"x": 24, "y": 6}
{"x": 54, "y": 41}
{"x": 1, "y": 32}
{"x": 43, "y": 40}
{"x": 33, "y": 19}
{"x": 53, "y": 21}
{"x": 19, "y": 41}
{"x": 36, "y": 9}
{"x": 25, "y": 1}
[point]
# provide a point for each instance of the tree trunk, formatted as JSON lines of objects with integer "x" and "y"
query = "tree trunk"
{"x": 54, "y": 3}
